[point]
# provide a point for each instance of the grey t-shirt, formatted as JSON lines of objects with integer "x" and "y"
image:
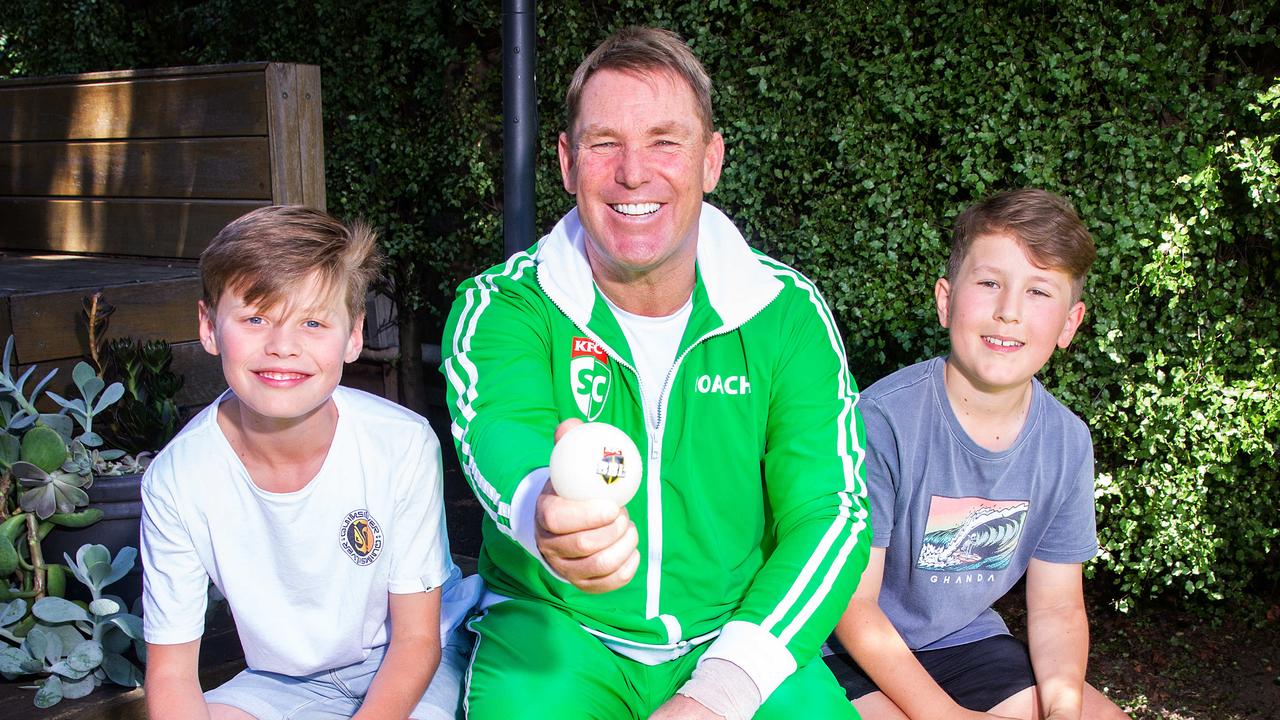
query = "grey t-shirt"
{"x": 961, "y": 523}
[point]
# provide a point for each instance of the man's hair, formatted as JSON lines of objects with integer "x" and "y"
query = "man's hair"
{"x": 643, "y": 49}
{"x": 1044, "y": 224}
{"x": 267, "y": 253}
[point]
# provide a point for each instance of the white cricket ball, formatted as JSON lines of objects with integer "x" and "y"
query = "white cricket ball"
{"x": 596, "y": 460}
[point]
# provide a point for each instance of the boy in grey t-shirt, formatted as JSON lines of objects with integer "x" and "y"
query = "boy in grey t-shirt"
{"x": 977, "y": 475}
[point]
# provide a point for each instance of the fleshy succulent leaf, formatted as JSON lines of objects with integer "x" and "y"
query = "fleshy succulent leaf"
{"x": 104, "y": 606}
{"x": 121, "y": 671}
{"x": 79, "y": 688}
{"x": 15, "y": 661}
{"x": 83, "y": 375}
{"x": 50, "y": 693}
{"x": 12, "y": 612}
{"x": 58, "y": 610}
{"x": 86, "y": 656}
{"x": 131, "y": 625}
{"x": 121, "y": 565}
{"x": 44, "y": 448}
{"x": 113, "y": 393}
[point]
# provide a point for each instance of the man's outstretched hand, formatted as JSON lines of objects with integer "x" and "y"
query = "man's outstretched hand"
{"x": 591, "y": 543}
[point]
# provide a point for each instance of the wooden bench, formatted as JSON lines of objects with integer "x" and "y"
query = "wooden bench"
{"x": 115, "y": 181}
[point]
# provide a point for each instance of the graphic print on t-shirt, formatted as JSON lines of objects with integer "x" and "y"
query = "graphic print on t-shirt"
{"x": 971, "y": 533}
{"x": 361, "y": 537}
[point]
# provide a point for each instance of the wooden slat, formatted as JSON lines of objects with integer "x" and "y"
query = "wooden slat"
{"x": 25, "y": 274}
{"x": 143, "y": 74}
{"x": 297, "y": 134}
{"x": 48, "y": 326}
{"x": 311, "y": 136}
{"x": 236, "y": 168}
{"x": 151, "y": 228}
{"x": 286, "y": 162}
{"x": 200, "y": 106}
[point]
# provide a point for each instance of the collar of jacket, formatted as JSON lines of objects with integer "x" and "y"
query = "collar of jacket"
{"x": 737, "y": 286}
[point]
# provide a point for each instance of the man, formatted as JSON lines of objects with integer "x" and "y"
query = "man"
{"x": 710, "y": 593}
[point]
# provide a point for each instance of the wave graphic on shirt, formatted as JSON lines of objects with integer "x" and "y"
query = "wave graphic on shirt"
{"x": 965, "y": 534}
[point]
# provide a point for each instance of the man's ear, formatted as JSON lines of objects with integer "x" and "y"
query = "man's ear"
{"x": 1074, "y": 317}
{"x": 568, "y": 164}
{"x": 355, "y": 343}
{"x": 942, "y": 298}
{"x": 712, "y": 162}
{"x": 208, "y": 338}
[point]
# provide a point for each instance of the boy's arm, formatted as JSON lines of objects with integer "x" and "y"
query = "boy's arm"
{"x": 173, "y": 682}
{"x": 872, "y": 641}
{"x": 1058, "y": 636}
{"x": 412, "y": 656}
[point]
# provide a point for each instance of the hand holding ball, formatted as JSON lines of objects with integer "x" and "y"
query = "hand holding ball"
{"x": 596, "y": 460}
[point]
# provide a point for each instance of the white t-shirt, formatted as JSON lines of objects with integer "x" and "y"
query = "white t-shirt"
{"x": 306, "y": 573}
{"x": 654, "y": 342}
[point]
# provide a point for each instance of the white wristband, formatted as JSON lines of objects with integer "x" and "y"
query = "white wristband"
{"x": 723, "y": 688}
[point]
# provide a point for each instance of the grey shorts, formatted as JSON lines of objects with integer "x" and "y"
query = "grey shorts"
{"x": 338, "y": 693}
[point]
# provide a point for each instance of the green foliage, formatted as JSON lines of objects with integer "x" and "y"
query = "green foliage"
{"x": 856, "y": 131}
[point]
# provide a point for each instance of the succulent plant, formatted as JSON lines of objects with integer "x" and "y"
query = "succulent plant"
{"x": 47, "y": 493}
{"x": 45, "y": 468}
{"x": 76, "y": 647}
{"x": 146, "y": 418}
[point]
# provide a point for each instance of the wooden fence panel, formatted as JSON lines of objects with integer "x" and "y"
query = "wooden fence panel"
{"x": 223, "y": 168}
{"x": 198, "y": 106}
{"x": 147, "y": 228}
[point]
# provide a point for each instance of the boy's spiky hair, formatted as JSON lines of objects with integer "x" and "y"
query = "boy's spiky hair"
{"x": 265, "y": 254}
{"x": 1045, "y": 224}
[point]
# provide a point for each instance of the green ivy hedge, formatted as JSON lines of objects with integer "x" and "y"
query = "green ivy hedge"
{"x": 856, "y": 131}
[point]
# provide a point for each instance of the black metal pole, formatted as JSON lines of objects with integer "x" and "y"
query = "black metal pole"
{"x": 519, "y": 125}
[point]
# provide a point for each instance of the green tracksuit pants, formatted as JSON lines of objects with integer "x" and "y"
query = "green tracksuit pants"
{"x": 533, "y": 662}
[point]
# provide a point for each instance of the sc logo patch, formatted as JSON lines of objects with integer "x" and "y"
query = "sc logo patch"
{"x": 589, "y": 376}
{"x": 361, "y": 538}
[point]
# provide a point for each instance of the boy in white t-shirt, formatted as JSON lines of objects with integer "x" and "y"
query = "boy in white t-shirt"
{"x": 317, "y": 510}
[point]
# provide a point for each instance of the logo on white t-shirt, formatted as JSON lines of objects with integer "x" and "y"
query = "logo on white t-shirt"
{"x": 589, "y": 376}
{"x": 361, "y": 538}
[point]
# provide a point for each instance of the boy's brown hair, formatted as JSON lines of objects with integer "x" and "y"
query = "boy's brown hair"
{"x": 643, "y": 49}
{"x": 1045, "y": 224}
{"x": 266, "y": 253}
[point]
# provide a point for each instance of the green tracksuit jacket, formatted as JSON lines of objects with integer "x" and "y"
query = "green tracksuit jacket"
{"x": 752, "y": 514}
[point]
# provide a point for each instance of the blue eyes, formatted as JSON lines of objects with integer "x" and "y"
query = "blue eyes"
{"x": 256, "y": 321}
{"x": 992, "y": 284}
{"x": 608, "y": 147}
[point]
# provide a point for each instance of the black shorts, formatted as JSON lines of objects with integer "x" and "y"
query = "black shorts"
{"x": 977, "y": 675}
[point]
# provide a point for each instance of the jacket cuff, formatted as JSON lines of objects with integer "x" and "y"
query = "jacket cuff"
{"x": 764, "y": 657}
{"x": 524, "y": 524}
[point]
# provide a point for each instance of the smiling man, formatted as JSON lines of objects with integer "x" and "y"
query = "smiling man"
{"x": 711, "y": 592}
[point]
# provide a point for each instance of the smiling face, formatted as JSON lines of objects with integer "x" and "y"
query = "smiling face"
{"x": 284, "y": 362}
{"x": 1005, "y": 315}
{"x": 639, "y": 161}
